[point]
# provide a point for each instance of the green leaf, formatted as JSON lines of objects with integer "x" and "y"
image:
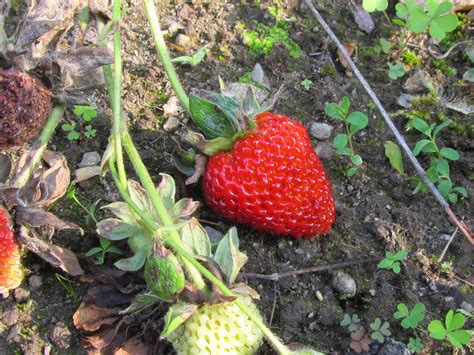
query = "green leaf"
{"x": 453, "y": 198}
{"x": 352, "y": 171}
{"x": 402, "y": 311}
{"x": 394, "y": 154}
{"x": 454, "y": 321}
{"x": 184, "y": 208}
{"x": 459, "y": 338}
{"x": 444, "y": 187}
{"x": 375, "y": 325}
{"x": 167, "y": 191}
{"x": 437, "y": 330}
{"x": 375, "y": 5}
{"x": 340, "y": 141}
{"x": 432, "y": 174}
{"x": 442, "y": 24}
{"x": 385, "y": 264}
{"x": 420, "y": 145}
{"x": 401, "y": 11}
{"x": 415, "y": 345}
{"x": 306, "y": 83}
{"x": 398, "y": 22}
{"x": 357, "y": 121}
{"x": 461, "y": 190}
{"x": 228, "y": 256}
{"x": 345, "y": 104}
{"x": 177, "y": 315}
{"x": 333, "y": 110}
{"x": 79, "y": 110}
{"x": 140, "y": 198}
{"x": 442, "y": 167}
{"x": 396, "y": 267}
{"x": 385, "y": 45}
{"x": 214, "y": 114}
{"x": 421, "y": 126}
{"x": 344, "y": 151}
{"x": 346, "y": 320}
{"x": 400, "y": 255}
{"x": 115, "y": 229}
{"x": 194, "y": 59}
{"x": 418, "y": 20}
{"x": 94, "y": 251}
{"x": 440, "y": 127}
{"x": 449, "y": 153}
{"x": 141, "y": 301}
{"x": 134, "y": 263}
{"x": 195, "y": 239}
{"x": 72, "y": 136}
{"x": 356, "y": 159}
{"x": 396, "y": 70}
{"x": 378, "y": 336}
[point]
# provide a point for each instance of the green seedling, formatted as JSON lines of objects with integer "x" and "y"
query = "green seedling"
{"x": 380, "y": 330}
{"x": 247, "y": 79}
{"x": 392, "y": 261}
{"x": 87, "y": 113}
{"x": 263, "y": 38}
{"x": 434, "y": 17}
{"x": 438, "y": 172}
{"x": 352, "y": 323}
{"x": 445, "y": 67}
{"x": 194, "y": 59}
{"x": 394, "y": 154}
{"x": 306, "y": 84}
{"x": 415, "y": 345}
{"x": 396, "y": 70}
{"x": 353, "y": 122}
{"x": 410, "y": 58}
{"x": 90, "y": 211}
{"x": 410, "y": 319}
{"x": 101, "y": 251}
{"x": 451, "y": 330}
{"x": 383, "y": 46}
{"x": 67, "y": 285}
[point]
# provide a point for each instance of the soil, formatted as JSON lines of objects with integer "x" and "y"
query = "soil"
{"x": 376, "y": 211}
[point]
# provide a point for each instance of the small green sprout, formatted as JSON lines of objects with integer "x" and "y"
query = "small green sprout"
{"x": 438, "y": 172}
{"x": 396, "y": 70}
{"x": 101, "y": 251}
{"x": 71, "y": 128}
{"x": 90, "y": 132}
{"x": 351, "y": 322}
{"x": 90, "y": 211}
{"x": 380, "y": 330}
{"x": 194, "y": 59}
{"x": 392, "y": 261}
{"x": 410, "y": 319}
{"x": 382, "y": 46}
{"x": 86, "y": 112}
{"x": 415, "y": 345}
{"x": 451, "y": 330}
{"x": 434, "y": 17}
{"x": 306, "y": 84}
{"x": 354, "y": 122}
{"x": 67, "y": 285}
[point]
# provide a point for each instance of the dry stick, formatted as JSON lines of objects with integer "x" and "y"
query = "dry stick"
{"x": 441, "y": 257}
{"x": 277, "y": 277}
{"x": 419, "y": 169}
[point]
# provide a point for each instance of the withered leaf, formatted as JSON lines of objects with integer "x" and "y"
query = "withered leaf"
{"x": 199, "y": 169}
{"x": 35, "y": 217}
{"x": 135, "y": 346}
{"x": 245, "y": 289}
{"x": 104, "y": 338}
{"x": 91, "y": 317}
{"x": 350, "y": 48}
{"x": 55, "y": 255}
{"x": 86, "y": 173}
{"x": 106, "y": 296}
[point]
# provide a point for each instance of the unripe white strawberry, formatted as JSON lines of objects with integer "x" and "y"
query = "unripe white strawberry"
{"x": 219, "y": 329}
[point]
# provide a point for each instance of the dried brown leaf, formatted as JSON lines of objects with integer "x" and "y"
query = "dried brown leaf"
{"x": 53, "y": 254}
{"x": 35, "y": 217}
{"x": 199, "y": 169}
{"x": 106, "y": 296}
{"x": 135, "y": 346}
{"x": 91, "y": 317}
{"x": 245, "y": 289}
{"x": 104, "y": 338}
{"x": 86, "y": 173}
{"x": 350, "y": 48}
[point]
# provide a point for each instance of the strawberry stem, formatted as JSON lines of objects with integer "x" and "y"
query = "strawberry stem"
{"x": 39, "y": 146}
{"x": 151, "y": 13}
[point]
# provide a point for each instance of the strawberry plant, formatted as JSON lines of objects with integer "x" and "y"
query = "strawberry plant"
{"x": 353, "y": 122}
{"x": 392, "y": 261}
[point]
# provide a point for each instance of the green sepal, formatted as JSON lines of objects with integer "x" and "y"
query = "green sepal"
{"x": 214, "y": 114}
{"x": 141, "y": 301}
{"x": 196, "y": 240}
{"x": 228, "y": 256}
{"x": 208, "y": 147}
{"x": 177, "y": 315}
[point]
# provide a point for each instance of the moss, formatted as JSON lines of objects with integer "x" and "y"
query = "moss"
{"x": 327, "y": 70}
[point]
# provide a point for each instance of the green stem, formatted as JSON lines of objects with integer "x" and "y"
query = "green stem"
{"x": 39, "y": 146}
{"x": 386, "y": 16}
{"x": 107, "y": 69}
{"x": 160, "y": 44}
{"x": 116, "y": 96}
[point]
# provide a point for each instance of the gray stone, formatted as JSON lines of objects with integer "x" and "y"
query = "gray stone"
{"x": 321, "y": 131}
{"x": 61, "y": 336}
{"x": 393, "y": 347}
{"x": 35, "y": 281}
{"x": 362, "y": 18}
{"x": 344, "y": 284}
{"x": 89, "y": 159}
{"x": 13, "y": 333}
{"x": 21, "y": 295}
{"x": 417, "y": 82}
{"x": 467, "y": 306}
{"x": 325, "y": 150}
{"x": 183, "y": 40}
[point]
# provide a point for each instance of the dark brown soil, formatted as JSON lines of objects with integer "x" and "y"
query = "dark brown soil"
{"x": 376, "y": 211}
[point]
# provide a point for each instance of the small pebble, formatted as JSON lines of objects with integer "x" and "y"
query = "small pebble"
{"x": 324, "y": 150}
{"x": 21, "y": 295}
{"x": 344, "y": 284}
{"x": 61, "y": 336}
{"x": 319, "y": 296}
{"x": 14, "y": 331}
{"x": 467, "y": 306}
{"x": 183, "y": 40}
{"x": 90, "y": 159}
{"x": 320, "y": 130}
{"x": 372, "y": 293}
{"x": 35, "y": 281}
{"x": 214, "y": 235}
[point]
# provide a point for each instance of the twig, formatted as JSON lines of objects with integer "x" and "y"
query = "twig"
{"x": 441, "y": 257}
{"x": 278, "y": 277}
{"x": 457, "y": 277}
{"x": 275, "y": 292}
{"x": 419, "y": 169}
{"x": 448, "y": 52}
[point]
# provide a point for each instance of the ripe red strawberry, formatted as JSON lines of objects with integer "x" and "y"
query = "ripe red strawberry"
{"x": 11, "y": 272}
{"x": 272, "y": 180}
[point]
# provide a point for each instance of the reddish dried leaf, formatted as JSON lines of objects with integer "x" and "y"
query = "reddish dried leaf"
{"x": 134, "y": 346}
{"x": 35, "y": 217}
{"x": 90, "y": 318}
